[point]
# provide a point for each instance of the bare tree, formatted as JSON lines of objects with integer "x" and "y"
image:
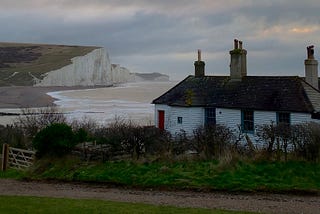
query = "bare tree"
{"x": 31, "y": 121}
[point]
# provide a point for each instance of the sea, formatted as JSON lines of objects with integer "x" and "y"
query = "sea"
{"x": 127, "y": 102}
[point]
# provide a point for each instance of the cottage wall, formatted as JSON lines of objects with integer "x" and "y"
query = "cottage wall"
{"x": 193, "y": 117}
{"x": 228, "y": 117}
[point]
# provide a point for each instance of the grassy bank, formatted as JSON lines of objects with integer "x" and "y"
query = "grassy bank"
{"x": 59, "y": 205}
{"x": 209, "y": 175}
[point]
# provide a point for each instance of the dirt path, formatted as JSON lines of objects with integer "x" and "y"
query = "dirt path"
{"x": 265, "y": 203}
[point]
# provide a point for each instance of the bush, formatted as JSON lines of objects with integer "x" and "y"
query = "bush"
{"x": 56, "y": 139}
{"x": 301, "y": 140}
{"x": 306, "y": 141}
{"x": 127, "y": 138}
{"x": 13, "y": 136}
{"x": 33, "y": 120}
{"x": 212, "y": 141}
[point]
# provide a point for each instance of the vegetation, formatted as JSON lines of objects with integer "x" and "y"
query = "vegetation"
{"x": 56, "y": 139}
{"x": 78, "y": 206}
{"x": 213, "y": 158}
{"x": 300, "y": 141}
{"x": 197, "y": 175}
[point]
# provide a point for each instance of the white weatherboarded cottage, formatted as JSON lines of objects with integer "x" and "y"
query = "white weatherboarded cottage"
{"x": 239, "y": 101}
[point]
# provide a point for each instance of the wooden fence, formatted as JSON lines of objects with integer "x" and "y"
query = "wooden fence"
{"x": 16, "y": 158}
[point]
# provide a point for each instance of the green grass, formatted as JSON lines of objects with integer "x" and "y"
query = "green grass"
{"x": 24, "y": 204}
{"x": 12, "y": 173}
{"x": 241, "y": 176}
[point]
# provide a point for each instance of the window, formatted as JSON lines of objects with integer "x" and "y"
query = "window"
{"x": 179, "y": 120}
{"x": 210, "y": 116}
{"x": 283, "y": 117}
{"x": 247, "y": 121}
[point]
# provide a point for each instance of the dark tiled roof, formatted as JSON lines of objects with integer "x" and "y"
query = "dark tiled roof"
{"x": 284, "y": 93}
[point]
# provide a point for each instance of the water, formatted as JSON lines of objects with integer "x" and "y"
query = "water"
{"x": 131, "y": 102}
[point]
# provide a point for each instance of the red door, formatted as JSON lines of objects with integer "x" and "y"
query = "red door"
{"x": 161, "y": 119}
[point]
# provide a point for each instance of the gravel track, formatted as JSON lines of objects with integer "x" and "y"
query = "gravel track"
{"x": 260, "y": 202}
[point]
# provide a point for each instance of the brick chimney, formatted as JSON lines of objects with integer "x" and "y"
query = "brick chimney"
{"x": 199, "y": 66}
{"x": 238, "y": 64}
{"x": 311, "y": 68}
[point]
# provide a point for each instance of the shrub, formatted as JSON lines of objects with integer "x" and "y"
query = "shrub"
{"x": 302, "y": 140}
{"x": 306, "y": 141}
{"x": 212, "y": 141}
{"x": 33, "y": 120}
{"x": 127, "y": 138}
{"x": 56, "y": 139}
{"x": 13, "y": 136}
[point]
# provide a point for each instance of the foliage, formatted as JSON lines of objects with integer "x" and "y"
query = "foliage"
{"x": 56, "y": 139}
{"x": 212, "y": 175}
{"x": 32, "y": 121}
{"x": 12, "y": 173}
{"x": 305, "y": 140}
{"x": 13, "y": 136}
{"x": 128, "y": 138}
{"x": 301, "y": 140}
{"x": 85, "y": 127}
{"x": 212, "y": 141}
{"x": 28, "y": 204}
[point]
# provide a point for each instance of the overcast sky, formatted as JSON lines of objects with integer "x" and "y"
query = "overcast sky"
{"x": 164, "y": 35}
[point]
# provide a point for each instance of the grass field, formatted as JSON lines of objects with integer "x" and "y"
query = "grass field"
{"x": 52, "y": 57}
{"x": 241, "y": 176}
{"x": 24, "y": 204}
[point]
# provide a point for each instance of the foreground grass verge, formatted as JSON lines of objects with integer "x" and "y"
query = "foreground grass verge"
{"x": 24, "y": 204}
{"x": 198, "y": 175}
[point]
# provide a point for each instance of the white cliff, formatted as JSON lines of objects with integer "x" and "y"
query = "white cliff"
{"x": 92, "y": 69}
{"x": 119, "y": 74}
{"x": 88, "y": 70}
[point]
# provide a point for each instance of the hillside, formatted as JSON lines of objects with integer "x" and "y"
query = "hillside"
{"x": 20, "y": 63}
{"x": 150, "y": 77}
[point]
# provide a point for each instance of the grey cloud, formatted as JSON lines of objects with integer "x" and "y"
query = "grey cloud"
{"x": 148, "y": 38}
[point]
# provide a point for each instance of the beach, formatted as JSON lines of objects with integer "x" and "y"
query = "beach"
{"x": 129, "y": 101}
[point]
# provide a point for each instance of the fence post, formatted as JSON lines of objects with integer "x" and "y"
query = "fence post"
{"x": 5, "y": 156}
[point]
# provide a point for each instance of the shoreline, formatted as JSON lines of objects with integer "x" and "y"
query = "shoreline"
{"x": 130, "y": 101}
{"x": 16, "y": 97}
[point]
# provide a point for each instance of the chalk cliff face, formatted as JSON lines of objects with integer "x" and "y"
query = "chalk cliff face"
{"x": 119, "y": 74}
{"x": 91, "y": 69}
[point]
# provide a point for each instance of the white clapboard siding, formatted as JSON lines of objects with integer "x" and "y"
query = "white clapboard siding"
{"x": 230, "y": 118}
{"x": 193, "y": 117}
{"x": 300, "y": 118}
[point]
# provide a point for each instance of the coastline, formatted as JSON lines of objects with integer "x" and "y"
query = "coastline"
{"x": 129, "y": 101}
{"x": 13, "y": 97}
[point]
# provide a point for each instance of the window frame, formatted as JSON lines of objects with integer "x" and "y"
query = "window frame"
{"x": 280, "y": 116}
{"x": 247, "y": 121}
{"x": 210, "y": 116}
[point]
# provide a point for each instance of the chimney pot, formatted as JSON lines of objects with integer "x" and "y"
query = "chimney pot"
{"x": 310, "y": 52}
{"x": 199, "y": 66}
{"x": 199, "y": 55}
{"x": 235, "y": 44}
